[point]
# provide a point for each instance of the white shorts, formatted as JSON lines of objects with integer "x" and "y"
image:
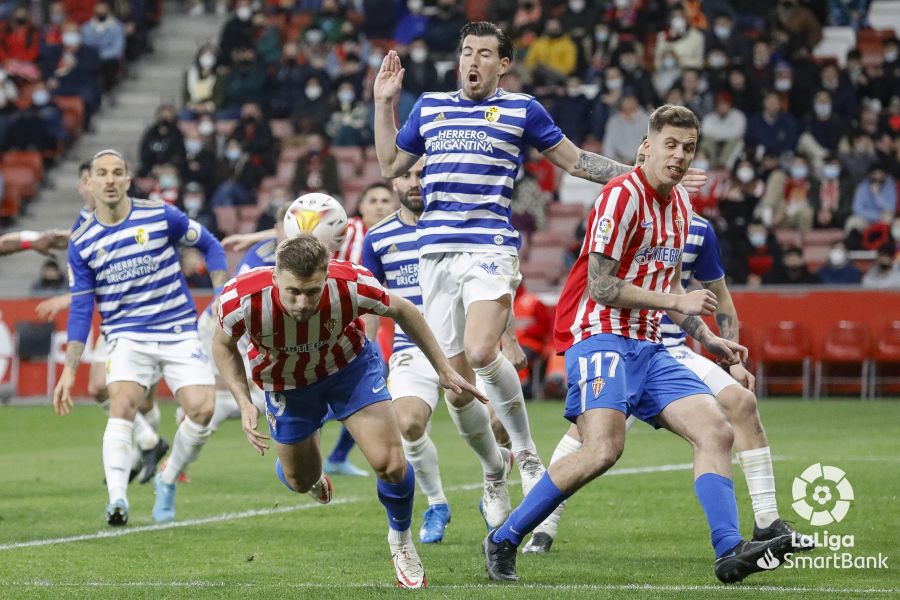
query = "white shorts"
{"x": 714, "y": 376}
{"x": 181, "y": 363}
{"x": 452, "y": 281}
{"x": 412, "y": 375}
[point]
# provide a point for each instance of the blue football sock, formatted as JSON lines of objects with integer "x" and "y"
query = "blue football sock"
{"x": 397, "y": 499}
{"x": 543, "y": 498}
{"x": 280, "y": 472}
{"x": 343, "y": 446}
{"x": 716, "y": 495}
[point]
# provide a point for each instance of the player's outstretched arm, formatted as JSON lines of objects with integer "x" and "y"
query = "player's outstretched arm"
{"x": 49, "y": 308}
{"x": 586, "y": 165}
{"x": 410, "y": 319}
{"x": 238, "y": 242}
{"x": 386, "y": 89}
{"x": 729, "y": 329}
{"x": 231, "y": 370}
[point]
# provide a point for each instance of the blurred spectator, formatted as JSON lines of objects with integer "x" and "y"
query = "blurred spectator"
{"x": 791, "y": 203}
{"x": 73, "y": 69}
{"x": 625, "y": 129}
{"x": 234, "y": 200}
{"x": 380, "y": 19}
{"x": 578, "y": 21}
{"x": 50, "y": 280}
{"x": 607, "y": 102}
{"x": 667, "y": 74}
{"x": 543, "y": 171}
{"x": 695, "y": 93}
{"x": 8, "y": 109}
{"x": 314, "y": 106}
{"x": 279, "y": 196}
{"x": 443, "y": 27}
{"x": 162, "y": 142}
{"x": 847, "y": 13}
{"x": 892, "y": 60}
{"x": 529, "y": 204}
{"x": 237, "y": 32}
{"x": 199, "y": 162}
{"x": 823, "y": 130}
{"x": 743, "y": 97}
{"x": 244, "y": 82}
{"x": 288, "y": 83}
{"x": 51, "y": 30}
{"x": 875, "y": 199}
{"x": 761, "y": 69}
{"x": 201, "y": 91}
{"x": 858, "y": 160}
{"x": 193, "y": 202}
{"x": 39, "y": 126}
{"x": 21, "y": 41}
{"x": 193, "y": 266}
{"x": 412, "y": 25}
{"x": 792, "y": 270}
{"x": 683, "y": 39}
{"x": 833, "y": 200}
{"x": 804, "y": 30}
{"x": 795, "y": 97}
{"x": 706, "y": 201}
{"x": 636, "y": 77}
{"x": 737, "y": 207}
{"x": 349, "y": 124}
{"x": 572, "y": 111}
{"x": 266, "y": 39}
{"x": 316, "y": 170}
{"x": 839, "y": 270}
{"x": 257, "y": 139}
{"x": 843, "y": 96}
{"x": 168, "y": 184}
{"x": 552, "y": 56}
{"x": 104, "y": 33}
{"x": 772, "y": 129}
{"x": 526, "y": 20}
{"x": 421, "y": 75}
{"x": 884, "y": 272}
{"x": 723, "y": 131}
{"x": 534, "y": 329}
{"x": 722, "y": 36}
{"x": 754, "y": 256}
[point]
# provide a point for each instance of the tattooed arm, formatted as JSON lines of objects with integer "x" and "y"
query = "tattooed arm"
{"x": 62, "y": 394}
{"x": 606, "y": 288}
{"x": 586, "y": 165}
{"x": 729, "y": 329}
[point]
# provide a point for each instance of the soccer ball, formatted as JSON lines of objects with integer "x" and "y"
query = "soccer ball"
{"x": 318, "y": 214}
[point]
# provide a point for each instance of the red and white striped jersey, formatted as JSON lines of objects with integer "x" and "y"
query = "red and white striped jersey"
{"x": 646, "y": 234}
{"x": 351, "y": 248}
{"x": 287, "y": 354}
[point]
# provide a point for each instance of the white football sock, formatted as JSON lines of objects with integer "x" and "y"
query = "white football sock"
{"x": 398, "y": 538}
{"x": 474, "y": 425}
{"x": 422, "y": 455}
{"x": 226, "y": 408}
{"x": 189, "y": 439}
{"x": 152, "y": 417}
{"x": 503, "y": 388}
{"x": 566, "y": 446}
{"x": 760, "y": 475}
{"x": 144, "y": 435}
{"x": 117, "y": 457}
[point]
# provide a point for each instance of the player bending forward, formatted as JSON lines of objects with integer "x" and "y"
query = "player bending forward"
{"x": 309, "y": 353}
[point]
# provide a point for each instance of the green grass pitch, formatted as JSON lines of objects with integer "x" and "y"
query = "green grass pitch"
{"x": 630, "y": 534}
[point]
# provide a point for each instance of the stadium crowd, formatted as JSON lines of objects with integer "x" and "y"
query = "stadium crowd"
{"x": 802, "y": 151}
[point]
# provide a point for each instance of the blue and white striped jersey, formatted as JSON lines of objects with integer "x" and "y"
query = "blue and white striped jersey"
{"x": 132, "y": 269}
{"x": 389, "y": 251}
{"x": 260, "y": 254}
{"x": 700, "y": 261}
{"x": 83, "y": 215}
{"x": 473, "y": 151}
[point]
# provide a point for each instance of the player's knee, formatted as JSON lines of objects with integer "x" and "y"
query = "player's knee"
{"x": 745, "y": 404}
{"x": 201, "y": 414}
{"x": 599, "y": 457}
{"x": 392, "y": 469}
{"x": 98, "y": 391}
{"x": 718, "y": 436}
{"x": 411, "y": 429}
{"x": 300, "y": 481}
{"x": 481, "y": 354}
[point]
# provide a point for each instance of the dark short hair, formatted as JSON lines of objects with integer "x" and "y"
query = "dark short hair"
{"x": 486, "y": 29}
{"x": 84, "y": 166}
{"x": 674, "y": 116}
{"x": 375, "y": 186}
{"x": 302, "y": 255}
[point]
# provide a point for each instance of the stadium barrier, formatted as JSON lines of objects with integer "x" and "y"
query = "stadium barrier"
{"x": 817, "y": 310}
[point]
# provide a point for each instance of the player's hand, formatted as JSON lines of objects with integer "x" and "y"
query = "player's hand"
{"x": 389, "y": 80}
{"x": 513, "y": 352}
{"x": 694, "y": 180}
{"x": 238, "y": 242}
{"x": 62, "y": 393}
{"x": 456, "y": 383}
{"x": 249, "y": 423}
{"x": 728, "y": 352}
{"x": 53, "y": 239}
{"x": 698, "y": 302}
{"x": 742, "y": 375}
{"x": 49, "y": 308}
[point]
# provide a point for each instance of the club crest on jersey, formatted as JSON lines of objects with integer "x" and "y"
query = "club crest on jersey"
{"x": 307, "y": 219}
{"x": 141, "y": 236}
{"x": 492, "y": 114}
{"x": 598, "y": 385}
{"x": 679, "y": 224}
{"x": 670, "y": 256}
{"x": 604, "y": 230}
{"x": 330, "y": 324}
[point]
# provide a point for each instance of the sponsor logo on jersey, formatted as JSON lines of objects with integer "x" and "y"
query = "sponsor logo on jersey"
{"x": 663, "y": 254}
{"x": 604, "y": 230}
{"x": 330, "y": 324}
{"x": 461, "y": 140}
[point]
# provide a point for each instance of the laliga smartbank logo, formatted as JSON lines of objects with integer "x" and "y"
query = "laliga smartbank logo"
{"x": 822, "y": 496}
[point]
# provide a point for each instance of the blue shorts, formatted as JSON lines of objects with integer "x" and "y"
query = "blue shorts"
{"x": 294, "y": 415}
{"x": 632, "y": 376}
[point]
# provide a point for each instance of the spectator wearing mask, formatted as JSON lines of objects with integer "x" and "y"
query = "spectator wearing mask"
{"x": 625, "y": 129}
{"x": 51, "y": 280}
{"x": 790, "y": 203}
{"x": 421, "y": 75}
{"x": 636, "y": 77}
{"x": 105, "y": 34}
{"x": 73, "y": 69}
{"x": 667, "y": 74}
{"x": 791, "y": 271}
{"x": 695, "y": 93}
{"x": 823, "y": 130}
{"x": 572, "y": 111}
{"x": 234, "y": 201}
{"x": 607, "y": 102}
{"x": 737, "y": 207}
{"x": 244, "y": 82}
{"x": 412, "y": 25}
{"x": 443, "y": 27}
{"x": 723, "y": 36}
{"x": 884, "y": 274}
{"x": 168, "y": 184}
{"x": 237, "y": 32}
{"x": 315, "y": 105}
{"x": 162, "y": 142}
{"x": 349, "y": 124}
{"x": 578, "y": 21}
{"x": 875, "y": 200}
{"x": 266, "y": 40}
{"x": 839, "y": 270}
{"x": 754, "y": 256}
{"x": 279, "y": 197}
{"x": 552, "y": 56}
{"x": 685, "y": 41}
{"x": 22, "y": 40}
{"x": 771, "y": 129}
{"x": 257, "y": 139}
{"x": 843, "y": 96}
{"x": 194, "y": 205}
{"x": 201, "y": 90}
{"x": 39, "y": 126}
{"x": 199, "y": 162}
{"x": 316, "y": 170}
{"x": 858, "y": 161}
{"x": 832, "y": 199}
{"x": 723, "y": 131}
{"x": 288, "y": 83}
{"x": 51, "y": 31}
{"x": 743, "y": 96}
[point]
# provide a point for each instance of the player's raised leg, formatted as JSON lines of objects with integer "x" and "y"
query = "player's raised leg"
{"x": 299, "y": 468}
{"x": 377, "y": 433}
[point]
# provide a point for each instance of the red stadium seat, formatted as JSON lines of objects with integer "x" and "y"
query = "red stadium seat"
{"x": 21, "y": 178}
{"x": 784, "y": 359}
{"x": 10, "y": 203}
{"x": 844, "y": 359}
{"x": 72, "y": 108}
{"x": 31, "y": 160}
{"x": 558, "y": 209}
{"x": 885, "y": 370}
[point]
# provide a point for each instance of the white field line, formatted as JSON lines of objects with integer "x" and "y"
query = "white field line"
{"x": 588, "y": 587}
{"x": 245, "y": 514}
